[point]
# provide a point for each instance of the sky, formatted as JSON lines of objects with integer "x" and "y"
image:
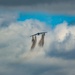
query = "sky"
{"x": 21, "y": 18}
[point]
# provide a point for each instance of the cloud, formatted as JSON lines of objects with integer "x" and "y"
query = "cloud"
{"x": 31, "y": 2}
{"x": 6, "y": 18}
{"x": 63, "y": 44}
{"x": 56, "y": 57}
{"x": 48, "y": 6}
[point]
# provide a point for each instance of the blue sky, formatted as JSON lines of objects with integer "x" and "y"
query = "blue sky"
{"x": 49, "y": 19}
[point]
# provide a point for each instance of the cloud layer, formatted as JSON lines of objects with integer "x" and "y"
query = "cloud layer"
{"x": 31, "y": 2}
{"x": 56, "y": 57}
{"x": 48, "y": 6}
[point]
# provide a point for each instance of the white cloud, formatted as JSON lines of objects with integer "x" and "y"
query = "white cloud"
{"x": 15, "y": 43}
{"x": 7, "y": 17}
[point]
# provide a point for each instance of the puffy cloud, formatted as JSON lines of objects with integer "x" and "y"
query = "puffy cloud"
{"x": 6, "y": 18}
{"x": 54, "y": 58}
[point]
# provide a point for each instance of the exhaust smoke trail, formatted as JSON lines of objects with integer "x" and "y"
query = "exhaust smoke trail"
{"x": 33, "y": 42}
{"x": 41, "y": 42}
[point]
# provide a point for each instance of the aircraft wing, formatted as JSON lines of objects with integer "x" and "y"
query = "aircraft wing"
{"x": 38, "y": 33}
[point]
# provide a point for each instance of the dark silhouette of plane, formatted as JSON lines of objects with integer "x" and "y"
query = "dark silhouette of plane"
{"x": 34, "y": 40}
{"x": 38, "y": 33}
